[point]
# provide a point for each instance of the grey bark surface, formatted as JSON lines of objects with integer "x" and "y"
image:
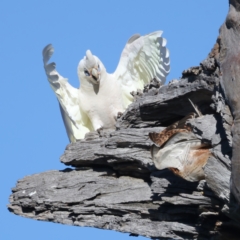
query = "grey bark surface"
{"x": 229, "y": 59}
{"x": 114, "y": 184}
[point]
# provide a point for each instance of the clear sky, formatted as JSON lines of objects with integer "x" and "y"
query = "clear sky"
{"x": 32, "y": 132}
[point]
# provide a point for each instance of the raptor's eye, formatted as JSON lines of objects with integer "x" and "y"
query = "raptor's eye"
{"x": 99, "y": 68}
{"x": 86, "y": 72}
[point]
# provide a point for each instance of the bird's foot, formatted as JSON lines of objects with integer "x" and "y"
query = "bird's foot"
{"x": 119, "y": 114}
{"x": 99, "y": 130}
{"x": 137, "y": 93}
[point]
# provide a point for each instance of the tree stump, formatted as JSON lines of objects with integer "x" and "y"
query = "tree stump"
{"x": 114, "y": 183}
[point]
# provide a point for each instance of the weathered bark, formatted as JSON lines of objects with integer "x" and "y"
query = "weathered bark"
{"x": 229, "y": 58}
{"x": 115, "y": 185}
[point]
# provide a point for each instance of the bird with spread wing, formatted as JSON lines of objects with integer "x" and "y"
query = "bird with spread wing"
{"x": 178, "y": 149}
{"x": 101, "y": 96}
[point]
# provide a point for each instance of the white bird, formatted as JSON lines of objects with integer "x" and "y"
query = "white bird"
{"x": 102, "y": 96}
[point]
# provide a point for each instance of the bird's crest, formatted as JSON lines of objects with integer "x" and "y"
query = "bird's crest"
{"x": 90, "y": 60}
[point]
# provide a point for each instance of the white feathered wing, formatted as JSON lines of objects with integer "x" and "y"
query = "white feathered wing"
{"x": 142, "y": 59}
{"x": 76, "y": 122}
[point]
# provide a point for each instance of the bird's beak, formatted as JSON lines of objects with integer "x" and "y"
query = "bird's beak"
{"x": 95, "y": 74}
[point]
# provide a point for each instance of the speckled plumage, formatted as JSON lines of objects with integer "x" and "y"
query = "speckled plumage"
{"x": 177, "y": 149}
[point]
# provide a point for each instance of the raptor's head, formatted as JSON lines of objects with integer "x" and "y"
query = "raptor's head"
{"x": 90, "y": 68}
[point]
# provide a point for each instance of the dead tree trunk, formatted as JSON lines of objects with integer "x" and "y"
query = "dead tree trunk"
{"x": 115, "y": 185}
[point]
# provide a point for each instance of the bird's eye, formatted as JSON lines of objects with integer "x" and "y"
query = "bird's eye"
{"x": 86, "y": 72}
{"x": 99, "y": 68}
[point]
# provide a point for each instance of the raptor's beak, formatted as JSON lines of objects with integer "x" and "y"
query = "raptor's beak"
{"x": 95, "y": 74}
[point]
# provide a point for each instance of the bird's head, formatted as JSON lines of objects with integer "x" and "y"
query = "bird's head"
{"x": 90, "y": 68}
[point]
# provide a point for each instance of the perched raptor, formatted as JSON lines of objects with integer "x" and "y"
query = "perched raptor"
{"x": 178, "y": 149}
{"x": 102, "y": 96}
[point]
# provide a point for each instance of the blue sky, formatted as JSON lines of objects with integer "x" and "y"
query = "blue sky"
{"x": 32, "y": 134}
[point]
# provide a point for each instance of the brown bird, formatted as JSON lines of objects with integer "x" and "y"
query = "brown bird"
{"x": 180, "y": 126}
{"x": 178, "y": 149}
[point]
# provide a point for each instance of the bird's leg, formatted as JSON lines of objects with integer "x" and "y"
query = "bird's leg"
{"x": 119, "y": 114}
{"x": 99, "y": 130}
{"x": 97, "y": 125}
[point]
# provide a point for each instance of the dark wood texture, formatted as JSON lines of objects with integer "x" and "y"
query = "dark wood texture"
{"x": 229, "y": 59}
{"x": 115, "y": 185}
